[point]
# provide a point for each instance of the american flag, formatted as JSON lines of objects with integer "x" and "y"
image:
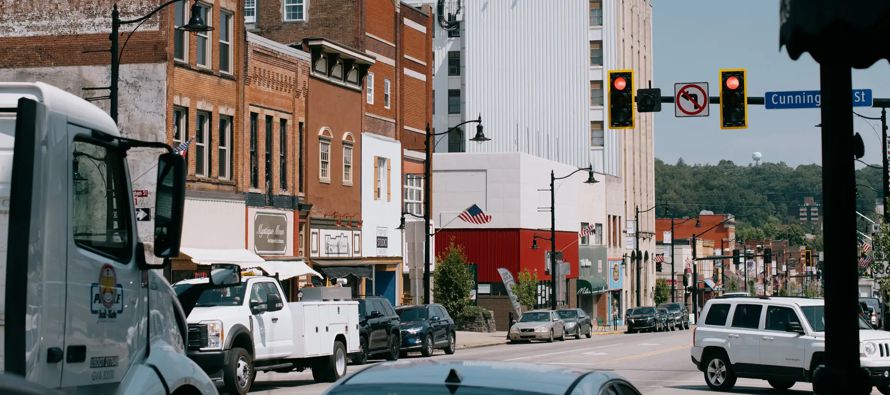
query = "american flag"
{"x": 586, "y": 231}
{"x": 864, "y": 261}
{"x": 659, "y": 258}
{"x": 866, "y": 246}
{"x": 183, "y": 149}
{"x": 474, "y": 215}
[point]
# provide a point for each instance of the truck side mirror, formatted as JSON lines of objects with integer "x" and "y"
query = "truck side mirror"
{"x": 225, "y": 274}
{"x": 169, "y": 204}
{"x": 258, "y": 307}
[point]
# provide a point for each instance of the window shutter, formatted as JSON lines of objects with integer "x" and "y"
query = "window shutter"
{"x": 376, "y": 179}
{"x": 388, "y": 181}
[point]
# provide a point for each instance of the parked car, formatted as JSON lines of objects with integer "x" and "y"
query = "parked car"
{"x": 642, "y": 319}
{"x": 379, "y": 331}
{"x": 664, "y": 320}
{"x": 425, "y": 328}
{"x": 538, "y": 325}
{"x": 576, "y": 321}
{"x": 478, "y": 377}
{"x": 781, "y": 340}
{"x": 878, "y": 307}
{"x": 679, "y": 313}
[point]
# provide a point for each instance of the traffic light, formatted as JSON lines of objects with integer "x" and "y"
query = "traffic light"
{"x": 767, "y": 256}
{"x": 736, "y": 258}
{"x": 621, "y": 99}
{"x": 733, "y": 99}
{"x": 808, "y": 257}
{"x": 649, "y": 100}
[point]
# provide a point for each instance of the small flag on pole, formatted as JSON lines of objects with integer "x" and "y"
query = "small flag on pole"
{"x": 474, "y": 215}
{"x": 866, "y": 247}
{"x": 659, "y": 258}
{"x": 586, "y": 231}
{"x": 183, "y": 149}
{"x": 864, "y": 261}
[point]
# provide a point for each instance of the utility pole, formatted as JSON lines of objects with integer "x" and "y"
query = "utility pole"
{"x": 885, "y": 187}
{"x": 673, "y": 258}
{"x": 695, "y": 278}
{"x": 553, "y": 276}
{"x": 639, "y": 257}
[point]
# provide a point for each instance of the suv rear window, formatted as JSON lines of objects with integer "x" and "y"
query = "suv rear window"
{"x": 717, "y": 314}
{"x": 747, "y": 316}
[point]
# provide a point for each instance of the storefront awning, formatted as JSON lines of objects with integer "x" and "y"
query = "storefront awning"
{"x": 343, "y": 271}
{"x": 246, "y": 259}
{"x": 288, "y": 269}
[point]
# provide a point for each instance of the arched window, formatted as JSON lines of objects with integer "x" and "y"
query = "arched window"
{"x": 324, "y": 155}
{"x": 348, "y": 142}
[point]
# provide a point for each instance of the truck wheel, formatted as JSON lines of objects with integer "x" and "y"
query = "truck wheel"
{"x": 885, "y": 389}
{"x": 718, "y": 372}
{"x": 394, "y": 344}
{"x": 452, "y": 344}
{"x": 332, "y": 367}
{"x": 238, "y": 376}
{"x": 427, "y": 349}
{"x": 362, "y": 357}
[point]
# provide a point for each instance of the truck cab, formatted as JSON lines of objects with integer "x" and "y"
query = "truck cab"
{"x": 81, "y": 309}
{"x": 248, "y": 327}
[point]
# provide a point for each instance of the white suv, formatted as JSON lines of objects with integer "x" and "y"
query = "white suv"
{"x": 778, "y": 339}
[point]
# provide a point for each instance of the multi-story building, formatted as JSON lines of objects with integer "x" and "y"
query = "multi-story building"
{"x": 808, "y": 211}
{"x": 394, "y": 112}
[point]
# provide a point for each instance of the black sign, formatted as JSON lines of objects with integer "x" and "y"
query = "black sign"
{"x": 382, "y": 242}
{"x": 143, "y": 214}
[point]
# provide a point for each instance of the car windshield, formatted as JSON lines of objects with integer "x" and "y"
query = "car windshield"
{"x": 535, "y": 317}
{"x": 567, "y": 314}
{"x": 644, "y": 311}
{"x": 226, "y": 296}
{"x": 815, "y": 315}
{"x": 412, "y": 314}
{"x": 673, "y": 307}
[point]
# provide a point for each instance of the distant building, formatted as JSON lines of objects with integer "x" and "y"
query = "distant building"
{"x": 809, "y": 211}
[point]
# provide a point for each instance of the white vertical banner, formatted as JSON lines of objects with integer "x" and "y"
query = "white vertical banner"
{"x": 667, "y": 237}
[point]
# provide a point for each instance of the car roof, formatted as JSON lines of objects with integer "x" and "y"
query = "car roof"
{"x": 776, "y": 300}
{"x": 508, "y": 376}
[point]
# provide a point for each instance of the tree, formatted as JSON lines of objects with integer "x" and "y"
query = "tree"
{"x": 525, "y": 288}
{"x": 881, "y": 244}
{"x": 662, "y": 291}
{"x": 453, "y": 281}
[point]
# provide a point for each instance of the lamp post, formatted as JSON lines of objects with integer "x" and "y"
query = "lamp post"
{"x": 427, "y": 193}
{"x": 195, "y": 24}
{"x": 553, "y": 273}
{"x": 885, "y": 183}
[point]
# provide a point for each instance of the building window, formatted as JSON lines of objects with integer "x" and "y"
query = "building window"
{"x": 270, "y": 126}
{"x": 299, "y": 150}
{"x": 225, "y": 42}
{"x": 324, "y": 156}
{"x": 282, "y": 154}
{"x": 347, "y": 159}
{"x": 180, "y": 125}
{"x": 386, "y": 92}
{"x": 381, "y": 179}
{"x": 596, "y": 93}
{"x": 254, "y": 160}
{"x": 596, "y": 13}
{"x": 598, "y": 234}
{"x": 596, "y": 53}
{"x": 294, "y": 10}
{"x": 202, "y": 142}
{"x": 370, "y": 88}
{"x": 250, "y": 11}
{"x": 454, "y": 101}
{"x": 585, "y": 239}
{"x": 453, "y": 62}
{"x": 414, "y": 194}
{"x": 455, "y": 31}
{"x": 204, "y": 38}
{"x": 597, "y": 136}
{"x": 180, "y": 38}
{"x": 224, "y": 145}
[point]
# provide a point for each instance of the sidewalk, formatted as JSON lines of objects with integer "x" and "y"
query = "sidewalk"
{"x": 484, "y": 339}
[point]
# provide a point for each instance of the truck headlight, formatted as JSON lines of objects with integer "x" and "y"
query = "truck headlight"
{"x": 214, "y": 334}
{"x": 869, "y": 348}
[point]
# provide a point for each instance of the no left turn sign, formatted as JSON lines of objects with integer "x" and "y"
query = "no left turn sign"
{"x": 691, "y": 99}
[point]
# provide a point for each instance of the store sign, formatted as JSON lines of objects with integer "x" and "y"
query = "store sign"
{"x": 382, "y": 242}
{"x": 270, "y": 233}
{"x": 335, "y": 243}
{"x": 616, "y": 275}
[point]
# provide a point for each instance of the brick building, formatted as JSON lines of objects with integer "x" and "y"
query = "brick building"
{"x": 394, "y": 111}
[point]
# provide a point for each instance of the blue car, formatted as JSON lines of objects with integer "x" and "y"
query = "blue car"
{"x": 425, "y": 328}
{"x": 479, "y": 377}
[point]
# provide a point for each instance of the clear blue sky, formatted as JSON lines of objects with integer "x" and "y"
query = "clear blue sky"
{"x": 693, "y": 39}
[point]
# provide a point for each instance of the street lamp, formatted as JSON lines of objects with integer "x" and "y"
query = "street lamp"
{"x": 553, "y": 273}
{"x": 427, "y": 193}
{"x": 196, "y": 24}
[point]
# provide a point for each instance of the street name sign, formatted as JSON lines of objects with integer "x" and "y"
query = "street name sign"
{"x": 691, "y": 99}
{"x": 809, "y": 99}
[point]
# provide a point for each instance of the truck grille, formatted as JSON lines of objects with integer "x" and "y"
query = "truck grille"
{"x": 197, "y": 336}
{"x": 884, "y": 349}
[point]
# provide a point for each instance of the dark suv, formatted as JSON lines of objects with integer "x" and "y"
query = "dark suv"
{"x": 426, "y": 328}
{"x": 378, "y": 330}
{"x": 642, "y": 319}
{"x": 679, "y": 314}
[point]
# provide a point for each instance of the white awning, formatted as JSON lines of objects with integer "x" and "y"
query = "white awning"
{"x": 247, "y": 259}
{"x": 288, "y": 269}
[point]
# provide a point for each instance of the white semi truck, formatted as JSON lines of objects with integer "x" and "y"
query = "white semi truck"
{"x": 81, "y": 310}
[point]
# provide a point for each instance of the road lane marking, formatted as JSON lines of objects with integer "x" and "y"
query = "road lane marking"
{"x": 596, "y": 353}
{"x": 648, "y": 344}
{"x": 560, "y": 352}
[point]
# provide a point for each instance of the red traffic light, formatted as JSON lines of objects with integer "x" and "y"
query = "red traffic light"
{"x": 620, "y": 83}
{"x": 732, "y": 83}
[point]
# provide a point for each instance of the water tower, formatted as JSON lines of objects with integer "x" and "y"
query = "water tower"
{"x": 757, "y": 156}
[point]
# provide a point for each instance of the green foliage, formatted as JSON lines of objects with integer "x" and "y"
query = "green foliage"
{"x": 453, "y": 281}
{"x": 752, "y": 287}
{"x": 881, "y": 244}
{"x": 662, "y": 291}
{"x": 525, "y": 288}
{"x": 732, "y": 284}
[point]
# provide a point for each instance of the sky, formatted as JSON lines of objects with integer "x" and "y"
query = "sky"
{"x": 694, "y": 39}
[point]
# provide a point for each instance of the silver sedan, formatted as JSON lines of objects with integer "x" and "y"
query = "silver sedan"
{"x": 538, "y": 325}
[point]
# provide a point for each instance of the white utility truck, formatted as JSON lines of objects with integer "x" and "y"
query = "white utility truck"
{"x": 81, "y": 310}
{"x": 240, "y": 329}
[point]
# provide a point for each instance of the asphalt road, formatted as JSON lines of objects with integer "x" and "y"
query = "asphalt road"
{"x": 656, "y": 363}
